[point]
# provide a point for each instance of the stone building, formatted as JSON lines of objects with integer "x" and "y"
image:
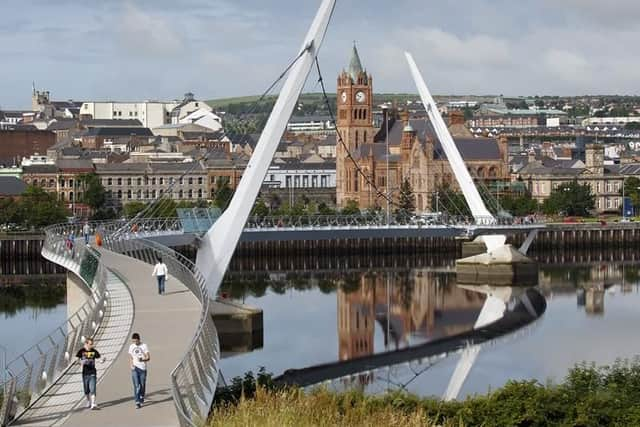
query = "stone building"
{"x": 544, "y": 176}
{"x": 144, "y": 182}
{"x": 414, "y": 151}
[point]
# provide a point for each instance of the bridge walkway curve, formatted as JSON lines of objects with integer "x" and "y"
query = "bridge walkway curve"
{"x": 166, "y": 324}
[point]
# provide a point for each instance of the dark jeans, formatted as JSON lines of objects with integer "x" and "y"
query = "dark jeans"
{"x": 89, "y": 383}
{"x": 161, "y": 281}
{"x": 86, "y": 239}
{"x": 139, "y": 377}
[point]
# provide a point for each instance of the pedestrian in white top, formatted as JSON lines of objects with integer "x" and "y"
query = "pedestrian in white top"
{"x": 139, "y": 356}
{"x": 85, "y": 231}
{"x": 160, "y": 271}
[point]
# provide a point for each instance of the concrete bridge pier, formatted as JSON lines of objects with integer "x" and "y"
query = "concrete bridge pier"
{"x": 77, "y": 293}
{"x": 504, "y": 266}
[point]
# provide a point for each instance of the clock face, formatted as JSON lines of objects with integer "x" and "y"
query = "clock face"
{"x": 344, "y": 97}
{"x": 361, "y": 97}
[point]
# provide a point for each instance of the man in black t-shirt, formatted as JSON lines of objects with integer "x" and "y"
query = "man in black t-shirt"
{"x": 88, "y": 355}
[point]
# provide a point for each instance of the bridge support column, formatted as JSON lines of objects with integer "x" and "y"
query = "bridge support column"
{"x": 504, "y": 266}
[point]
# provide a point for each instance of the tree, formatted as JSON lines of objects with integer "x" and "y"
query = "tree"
{"x": 223, "y": 193}
{"x": 351, "y": 208}
{"x": 260, "y": 209}
{"x": 94, "y": 192}
{"x": 132, "y": 209}
{"x": 407, "y": 201}
{"x": 632, "y": 191}
{"x": 38, "y": 208}
{"x": 451, "y": 202}
{"x": 325, "y": 210}
{"x": 519, "y": 205}
{"x": 632, "y": 126}
{"x": 572, "y": 199}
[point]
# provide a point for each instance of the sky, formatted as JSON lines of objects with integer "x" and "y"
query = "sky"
{"x": 130, "y": 50}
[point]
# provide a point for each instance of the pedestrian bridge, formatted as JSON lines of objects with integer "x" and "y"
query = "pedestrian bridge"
{"x": 44, "y": 387}
{"x": 185, "y": 231}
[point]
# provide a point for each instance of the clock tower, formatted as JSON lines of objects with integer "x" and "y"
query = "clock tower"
{"x": 354, "y": 125}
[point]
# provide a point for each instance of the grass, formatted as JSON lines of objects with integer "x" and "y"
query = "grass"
{"x": 293, "y": 407}
{"x": 589, "y": 396}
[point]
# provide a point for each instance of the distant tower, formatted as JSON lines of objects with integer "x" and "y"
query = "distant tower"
{"x": 354, "y": 124}
{"x": 39, "y": 100}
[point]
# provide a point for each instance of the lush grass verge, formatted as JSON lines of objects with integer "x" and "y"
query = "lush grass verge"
{"x": 589, "y": 396}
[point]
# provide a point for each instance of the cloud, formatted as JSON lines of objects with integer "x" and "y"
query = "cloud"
{"x": 143, "y": 33}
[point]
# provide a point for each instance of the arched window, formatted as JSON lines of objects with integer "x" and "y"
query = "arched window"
{"x": 119, "y": 194}
{"x": 493, "y": 172}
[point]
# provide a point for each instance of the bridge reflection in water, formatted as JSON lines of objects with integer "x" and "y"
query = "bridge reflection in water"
{"x": 360, "y": 308}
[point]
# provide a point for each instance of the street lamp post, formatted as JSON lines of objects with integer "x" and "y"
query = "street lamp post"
{"x": 385, "y": 111}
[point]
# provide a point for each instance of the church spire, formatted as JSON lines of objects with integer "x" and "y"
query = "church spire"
{"x": 355, "y": 66}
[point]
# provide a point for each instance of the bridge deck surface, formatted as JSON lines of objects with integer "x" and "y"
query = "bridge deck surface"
{"x": 166, "y": 324}
{"x": 53, "y": 408}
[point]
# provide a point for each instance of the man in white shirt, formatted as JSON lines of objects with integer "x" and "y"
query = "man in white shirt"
{"x": 160, "y": 271}
{"x": 139, "y": 356}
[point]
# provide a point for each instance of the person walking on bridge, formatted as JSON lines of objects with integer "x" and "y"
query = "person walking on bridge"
{"x": 88, "y": 355}
{"x": 160, "y": 272}
{"x": 85, "y": 231}
{"x": 139, "y": 356}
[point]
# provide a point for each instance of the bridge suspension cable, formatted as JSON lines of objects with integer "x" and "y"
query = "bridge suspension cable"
{"x": 164, "y": 200}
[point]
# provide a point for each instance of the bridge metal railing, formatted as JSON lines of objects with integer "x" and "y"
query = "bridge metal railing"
{"x": 195, "y": 378}
{"x": 30, "y": 374}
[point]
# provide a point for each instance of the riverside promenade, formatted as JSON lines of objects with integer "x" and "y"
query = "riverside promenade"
{"x": 166, "y": 324}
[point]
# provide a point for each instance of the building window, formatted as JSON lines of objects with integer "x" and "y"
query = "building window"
{"x": 296, "y": 182}
{"x": 129, "y": 194}
{"x": 153, "y": 181}
{"x": 119, "y": 181}
{"x": 119, "y": 194}
{"x": 314, "y": 181}
{"x": 199, "y": 193}
{"x": 181, "y": 181}
{"x": 180, "y": 194}
{"x": 128, "y": 181}
{"x": 305, "y": 181}
{"x": 109, "y": 181}
{"x": 190, "y": 181}
{"x": 139, "y": 181}
{"x": 139, "y": 195}
{"x": 288, "y": 181}
{"x": 324, "y": 181}
{"x": 161, "y": 181}
{"x": 190, "y": 194}
{"x": 200, "y": 180}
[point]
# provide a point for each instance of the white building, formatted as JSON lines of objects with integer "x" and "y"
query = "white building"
{"x": 301, "y": 175}
{"x": 151, "y": 114}
{"x": 204, "y": 117}
{"x": 311, "y": 125}
{"x": 591, "y": 121}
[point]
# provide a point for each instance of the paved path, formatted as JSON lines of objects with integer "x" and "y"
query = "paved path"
{"x": 55, "y": 406}
{"x": 167, "y": 324}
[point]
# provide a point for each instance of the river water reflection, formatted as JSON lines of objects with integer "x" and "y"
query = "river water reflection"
{"x": 31, "y": 306}
{"x": 322, "y": 311}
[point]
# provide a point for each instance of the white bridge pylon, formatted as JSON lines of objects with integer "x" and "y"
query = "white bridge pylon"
{"x": 494, "y": 307}
{"x": 218, "y": 244}
{"x": 478, "y": 209}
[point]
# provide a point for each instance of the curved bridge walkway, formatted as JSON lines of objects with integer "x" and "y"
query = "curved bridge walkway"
{"x": 166, "y": 324}
{"x": 58, "y": 403}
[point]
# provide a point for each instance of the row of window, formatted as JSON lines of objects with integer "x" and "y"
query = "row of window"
{"x": 152, "y": 194}
{"x": 298, "y": 181}
{"x": 138, "y": 181}
{"x": 51, "y": 182}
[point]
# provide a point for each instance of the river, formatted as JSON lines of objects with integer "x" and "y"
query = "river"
{"x": 326, "y": 310}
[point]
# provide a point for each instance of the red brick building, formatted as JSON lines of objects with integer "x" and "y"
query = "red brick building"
{"x": 16, "y": 144}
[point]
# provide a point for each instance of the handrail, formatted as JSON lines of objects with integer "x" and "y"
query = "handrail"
{"x": 194, "y": 379}
{"x": 33, "y": 372}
